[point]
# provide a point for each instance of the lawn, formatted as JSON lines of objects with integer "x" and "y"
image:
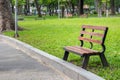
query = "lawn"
{"x": 52, "y": 34}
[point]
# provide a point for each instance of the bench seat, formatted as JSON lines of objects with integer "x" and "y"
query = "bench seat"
{"x": 80, "y": 50}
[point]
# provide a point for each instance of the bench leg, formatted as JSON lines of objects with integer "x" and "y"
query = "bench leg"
{"x": 66, "y": 54}
{"x": 103, "y": 60}
{"x": 85, "y": 61}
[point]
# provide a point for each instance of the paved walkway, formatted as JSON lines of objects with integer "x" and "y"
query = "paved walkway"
{"x": 16, "y": 65}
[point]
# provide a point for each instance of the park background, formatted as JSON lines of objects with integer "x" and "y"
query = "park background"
{"x": 49, "y": 25}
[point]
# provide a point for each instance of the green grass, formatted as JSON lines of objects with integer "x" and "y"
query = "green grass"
{"x": 52, "y": 34}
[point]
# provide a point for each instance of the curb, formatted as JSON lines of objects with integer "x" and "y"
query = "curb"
{"x": 72, "y": 71}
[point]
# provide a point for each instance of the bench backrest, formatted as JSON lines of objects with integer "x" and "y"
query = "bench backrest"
{"x": 93, "y": 31}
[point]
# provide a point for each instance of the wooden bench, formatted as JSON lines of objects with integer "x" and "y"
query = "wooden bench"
{"x": 87, "y": 35}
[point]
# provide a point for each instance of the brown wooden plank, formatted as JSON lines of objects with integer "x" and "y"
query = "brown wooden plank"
{"x": 92, "y": 33}
{"x": 76, "y": 49}
{"x": 80, "y": 50}
{"x": 87, "y": 49}
{"x": 94, "y": 27}
{"x": 90, "y": 40}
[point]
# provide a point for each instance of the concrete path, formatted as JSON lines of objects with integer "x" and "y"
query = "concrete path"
{"x": 16, "y": 65}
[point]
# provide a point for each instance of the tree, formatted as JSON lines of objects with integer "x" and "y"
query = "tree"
{"x": 117, "y": 4}
{"x": 38, "y": 6}
{"x": 27, "y": 7}
{"x": 21, "y": 3}
{"x": 80, "y": 7}
{"x": 6, "y": 19}
{"x": 98, "y": 7}
{"x": 112, "y": 6}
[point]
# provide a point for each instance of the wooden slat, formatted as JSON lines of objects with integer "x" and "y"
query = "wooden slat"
{"x": 86, "y": 49}
{"x": 90, "y": 40}
{"x": 92, "y": 33}
{"x": 94, "y": 27}
{"x": 76, "y": 50}
{"x": 80, "y": 50}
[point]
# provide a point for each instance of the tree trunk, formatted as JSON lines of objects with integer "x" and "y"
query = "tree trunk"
{"x": 107, "y": 12}
{"x": 20, "y": 9}
{"x": 27, "y": 8}
{"x": 12, "y": 6}
{"x": 80, "y": 7}
{"x": 38, "y": 8}
{"x": 62, "y": 11}
{"x": 6, "y": 19}
{"x": 112, "y": 5}
{"x": 73, "y": 8}
{"x": 98, "y": 7}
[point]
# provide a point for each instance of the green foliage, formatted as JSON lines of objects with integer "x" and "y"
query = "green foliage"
{"x": 51, "y": 35}
{"x": 117, "y": 3}
{"x": 41, "y": 1}
{"x": 20, "y": 2}
{"x": 105, "y": 0}
{"x": 89, "y": 2}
